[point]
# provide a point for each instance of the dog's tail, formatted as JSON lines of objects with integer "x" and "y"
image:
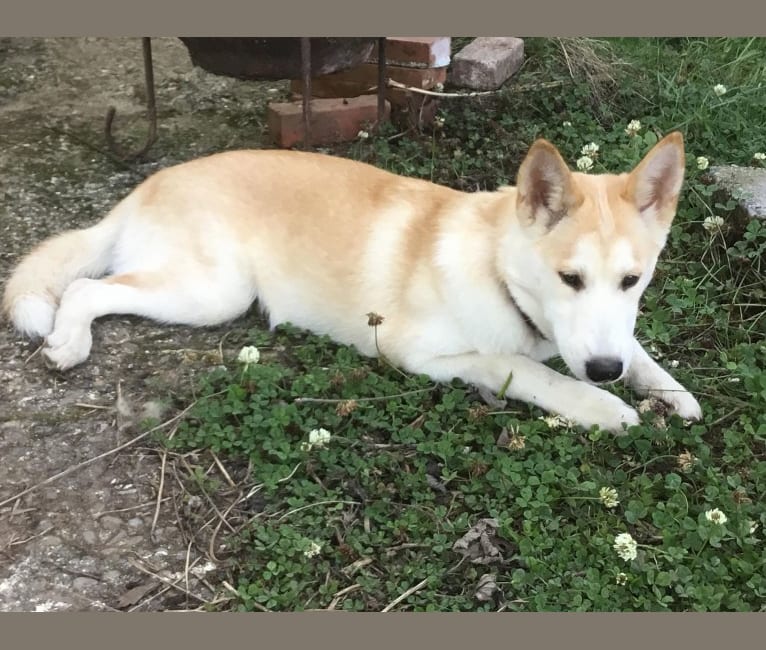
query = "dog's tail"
{"x": 35, "y": 286}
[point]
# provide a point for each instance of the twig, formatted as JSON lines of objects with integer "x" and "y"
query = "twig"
{"x": 433, "y": 93}
{"x": 208, "y": 497}
{"x": 220, "y": 345}
{"x": 312, "y": 505}
{"x": 35, "y": 353}
{"x": 166, "y": 581}
{"x": 160, "y": 489}
{"x": 138, "y": 507}
{"x": 405, "y": 595}
{"x": 106, "y": 454}
{"x": 93, "y": 406}
{"x": 320, "y": 400}
{"x": 161, "y": 486}
{"x": 223, "y": 470}
{"x": 186, "y": 564}
{"x": 29, "y": 539}
{"x": 341, "y": 593}
{"x": 258, "y": 606}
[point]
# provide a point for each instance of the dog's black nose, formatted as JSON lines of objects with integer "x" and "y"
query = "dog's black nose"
{"x": 603, "y": 369}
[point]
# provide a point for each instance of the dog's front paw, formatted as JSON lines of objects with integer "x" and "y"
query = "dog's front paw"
{"x": 683, "y": 403}
{"x": 608, "y": 412}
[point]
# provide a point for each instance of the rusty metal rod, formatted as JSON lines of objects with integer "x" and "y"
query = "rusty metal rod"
{"x": 151, "y": 109}
{"x": 381, "y": 80}
{"x": 306, "y": 69}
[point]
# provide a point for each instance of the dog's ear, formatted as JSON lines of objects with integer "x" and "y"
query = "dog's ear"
{"x": 546, "y": 190}
{"x": 654, "y": 185}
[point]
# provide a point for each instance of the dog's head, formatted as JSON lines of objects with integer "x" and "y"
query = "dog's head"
{"x": 591, "y": 245}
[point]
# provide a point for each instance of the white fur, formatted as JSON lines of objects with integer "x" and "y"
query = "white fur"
{"x": 320, "y": 242}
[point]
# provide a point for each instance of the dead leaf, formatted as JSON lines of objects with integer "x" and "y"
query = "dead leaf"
{"x": 134, "y": 596}
{"x": 486, "y": 588}
{"x": 435, "y": 484}
{"x": 480, "y": 543}
{"x": 373, "y": 319}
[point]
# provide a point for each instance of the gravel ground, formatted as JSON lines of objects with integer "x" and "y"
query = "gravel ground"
{"x": 86, "y": 541}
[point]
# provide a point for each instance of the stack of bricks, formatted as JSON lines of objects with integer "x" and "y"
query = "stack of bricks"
{"x": 345, "y": 103}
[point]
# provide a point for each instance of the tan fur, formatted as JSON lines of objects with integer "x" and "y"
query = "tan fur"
{"x": 468, "y": 283}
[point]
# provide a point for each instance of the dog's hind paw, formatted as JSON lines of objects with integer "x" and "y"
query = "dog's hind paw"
{"x": 70, "y": 353}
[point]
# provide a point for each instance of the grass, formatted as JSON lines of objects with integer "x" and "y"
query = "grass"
{"x": 368, "y": 520}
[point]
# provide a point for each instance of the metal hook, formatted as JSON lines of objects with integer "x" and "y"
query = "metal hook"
{"x": 151, "y": 108}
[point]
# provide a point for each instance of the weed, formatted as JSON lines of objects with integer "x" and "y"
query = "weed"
{"x": 407, "y": 467}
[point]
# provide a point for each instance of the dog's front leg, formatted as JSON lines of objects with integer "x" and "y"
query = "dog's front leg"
{"x": 646, "y": 377}
{"x": 535, "y": 383}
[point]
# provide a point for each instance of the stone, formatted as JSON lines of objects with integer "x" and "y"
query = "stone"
{"x": 486, "y": 63}
{"x": 747, "y": 185}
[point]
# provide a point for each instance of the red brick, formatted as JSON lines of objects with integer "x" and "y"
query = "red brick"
{"x": 364, "y": 79}
{"x": 416, "y": 51}
{"x": 332, "y": 120}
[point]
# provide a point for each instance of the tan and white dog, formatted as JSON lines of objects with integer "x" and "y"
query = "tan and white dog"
{"x": 471, "y": 285}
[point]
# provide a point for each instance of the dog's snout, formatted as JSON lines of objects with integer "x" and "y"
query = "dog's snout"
{"x": 600, "y": 369}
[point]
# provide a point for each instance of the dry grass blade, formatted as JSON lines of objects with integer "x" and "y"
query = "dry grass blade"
{"x": 593, "y": 61}
{"x": 170, "y": 583}
{"x": 405, "y": 595}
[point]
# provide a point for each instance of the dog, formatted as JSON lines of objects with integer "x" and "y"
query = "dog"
{"x": 478, "y": 286}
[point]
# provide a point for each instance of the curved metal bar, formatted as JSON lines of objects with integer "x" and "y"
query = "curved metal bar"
{"x": 151, "y": 108}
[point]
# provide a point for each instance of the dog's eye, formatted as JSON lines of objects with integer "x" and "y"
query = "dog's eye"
{"x": 573, "y": 280}
{"x": 628, "y": 281}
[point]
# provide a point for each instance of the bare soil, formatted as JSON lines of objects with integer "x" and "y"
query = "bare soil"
{"x": 86, "y": 541}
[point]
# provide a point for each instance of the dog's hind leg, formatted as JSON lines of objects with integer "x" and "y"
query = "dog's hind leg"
{"x": 162, "y": 297}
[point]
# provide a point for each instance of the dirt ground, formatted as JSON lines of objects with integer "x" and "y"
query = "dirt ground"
{"x": 88, "y": 540}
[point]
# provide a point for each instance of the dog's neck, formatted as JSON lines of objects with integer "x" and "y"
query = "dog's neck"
{"x": 524, "y": 316}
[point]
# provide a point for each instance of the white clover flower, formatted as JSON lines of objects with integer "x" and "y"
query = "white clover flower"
{"x": 555, "y": 421}
{"x": 312, "y": 550}
{"x": 363, "y": 135}
{"x": 567, "y": 123}
{"x": 621, "y": 578}
{"x": 584, "y": 163}
{"x": 609, "y": 497}
{"x": 674, "y": 363}
{"x": 711, "y": 224}
{"x": 249, "y": 354}
{"x": 590, "y": 149}
{"x": 716, "y": 516}
{"x": 317, "y": 438}
{"x": 626, "y": 546}
{"x": 702, "y": 162}
{"x": 759, "y": 155}
{"x": 719, "y": 89}
{"x": 634, "y": 126}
